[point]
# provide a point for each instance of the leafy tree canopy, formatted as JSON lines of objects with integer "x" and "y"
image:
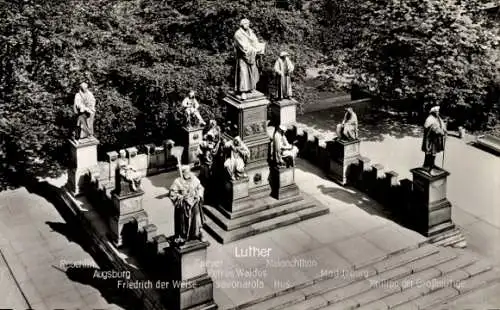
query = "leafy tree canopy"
{"x": 139, "y": 58}
{"x": 418, "y": 51}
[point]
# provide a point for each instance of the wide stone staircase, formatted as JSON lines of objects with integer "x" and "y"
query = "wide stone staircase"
{"x": 419, "y": 278}
{"x": 263, "y": 213}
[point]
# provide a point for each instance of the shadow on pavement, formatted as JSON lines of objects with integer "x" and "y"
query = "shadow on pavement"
{"x": 360, "y": 200}
{"x": 72, "y": 230}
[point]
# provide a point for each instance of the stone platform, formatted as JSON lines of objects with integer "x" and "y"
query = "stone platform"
{"x": 260, "y": 214}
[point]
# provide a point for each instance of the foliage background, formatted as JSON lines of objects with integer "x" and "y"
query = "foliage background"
{"x": 141, "y": 57}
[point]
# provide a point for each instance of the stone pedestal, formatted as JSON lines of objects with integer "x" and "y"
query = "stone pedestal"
{"x": 284, "y": 112}
{"x": 236, "y": 192}
{"x": 192, "y": 136}
{"x": 249, "y": 121}
{"x": 283, "y": 182}
{"x": 430, "y": 208}
{"x": 83, "y": 162}
{"x": 194, "y": 289}
{"x": 342, "y": 155}
{"x": 128, "y": 209}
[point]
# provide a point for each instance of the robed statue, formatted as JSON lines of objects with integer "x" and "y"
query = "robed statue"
{"x": 130, "y": 174}
{"x": 284, "y": 153}
{"x": 348, "y": 129}
{"x": 187, "y": 195}
{"x": 247, "y": 47}
{"x": 84, "y": 108}
{"x": 191, "y": 110}
{"x": 283, "y": 68}
{"x": 237, "y": 159}
{"x": 434, "y": 138}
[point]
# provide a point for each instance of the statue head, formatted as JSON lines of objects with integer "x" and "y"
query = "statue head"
{"x": 284, "y": 54}
{"x": 434, "y": 110}
{"x": 122, "y": 154}
{"x": 84, "y": 86}
{"x": 212, "y": 123}
{"x": 237, "y": 141}
{"x": 349, "y": 109}
{"x": 191, "y": 94}
{"x": 245, "y": 24}
{"x": 186, "y": 172}
{"x": 282, "y": 128}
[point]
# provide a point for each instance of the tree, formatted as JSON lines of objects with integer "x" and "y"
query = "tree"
{"x": 138, "y": 57}
{"x": 421, "y": 52}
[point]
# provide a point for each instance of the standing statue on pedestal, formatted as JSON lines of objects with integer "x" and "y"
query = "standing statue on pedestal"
{"x": 284, "y": 153}
{"x": 283, "y": 67}
{"x": 348, "y": 129}
{"x": 434, "y": 138}
{"x": 239, "y": 155}
{"x": 187, "y": 195}
{"x": 191, "y": 110}
{"x": 84, "y": 108}
{"x": 247, "y": 48}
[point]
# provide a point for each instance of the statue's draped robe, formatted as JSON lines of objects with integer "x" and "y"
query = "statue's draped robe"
{"x": 282, "y": 149}
{"x": 131, "y": 175}
{"x": 187, "y": 196}
{"x": 84, "y": 107}
{"x": 348, "y": 130}
{"x": 235, "y": 164}
{"x": 207, "y": 152}
{"x": 247, "y": 74}
{"x": 283, "y": 69}
{"x": 434, "y": 135}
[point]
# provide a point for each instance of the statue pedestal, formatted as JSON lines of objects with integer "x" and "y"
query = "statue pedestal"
{"x": 236, "y": 192}
{"x": 342, "y": 155}
{"x": 284, "y": 112}
{"x": 128, "y": 210}
{"x": 192, "y": 286}
{"x": 250, "y": 118}
{"x": 192, "y": 136}
{"x": 238, "y": 189}
{"x": 431, "y": 209}
{"x": 82, "y": 163}
{"x": 283, "y": 182}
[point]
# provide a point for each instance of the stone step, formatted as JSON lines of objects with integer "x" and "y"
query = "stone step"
{"x": 274, "y": 211}
{"x": 224, "y": 236}
{"x": 255, "y": 204}
{"x": 308, "y": 304}
{"x": 406, "y": 280}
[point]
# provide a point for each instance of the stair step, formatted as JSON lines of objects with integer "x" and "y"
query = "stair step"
{"x": 477, "y": 268}
{"x": 406, "y": 257}
{"x": 432, "y": 260}
{"x": 259, "y": 216}
{"x": 314, "y": 303}
{"x": 278, "y": 302}
{"x": 435, "y": 298}
{"x": 347, "y": 304}
{"x": 441, "y": 228}
{"x": 224, "y": 236}
{"x": 257, "y": 203}
{"x": 461, "y": 261}
{"x": 478, "y": 281}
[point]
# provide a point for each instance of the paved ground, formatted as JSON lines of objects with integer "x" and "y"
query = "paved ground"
{"x": 33, "y": 241}
{"x": 472, "y": 186}
{"x": 347, "y": 237}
